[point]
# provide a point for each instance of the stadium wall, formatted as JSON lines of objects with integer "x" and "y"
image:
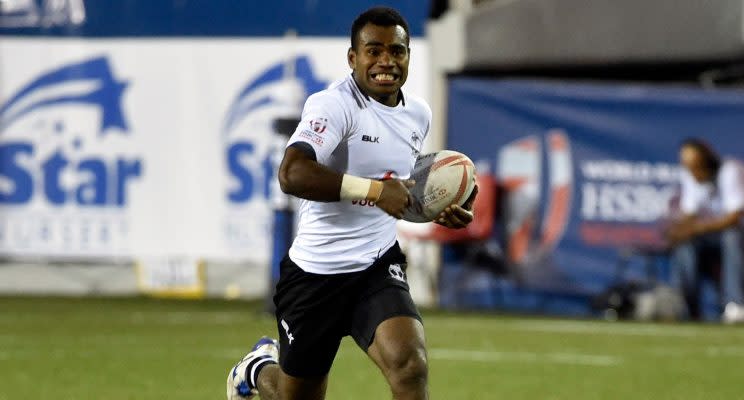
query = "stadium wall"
{"x": 587, "y": 176}
{"x": 147, "y": 136}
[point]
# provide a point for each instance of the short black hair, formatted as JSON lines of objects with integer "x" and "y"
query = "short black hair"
{"x": 380, "y": 16}
{"x": 712, "y": 159}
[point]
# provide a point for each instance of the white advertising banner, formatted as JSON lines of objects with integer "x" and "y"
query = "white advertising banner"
{"x": 133, "y": 148}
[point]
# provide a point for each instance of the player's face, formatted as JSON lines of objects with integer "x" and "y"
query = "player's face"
{"x": 691, "y": 159}
{"x": 379, "y": 60}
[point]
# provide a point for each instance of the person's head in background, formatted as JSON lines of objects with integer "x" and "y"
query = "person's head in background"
{"x": 699, "y": 158}
{"x": 379, "y": 53}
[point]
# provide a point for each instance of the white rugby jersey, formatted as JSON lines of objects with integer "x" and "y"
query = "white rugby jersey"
{"x": 354, "y": 134}
{"x": 708, "y": 199}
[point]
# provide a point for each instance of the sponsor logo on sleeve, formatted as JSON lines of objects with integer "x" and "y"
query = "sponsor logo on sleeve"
{"x": 312, "y": 137}
{"x": 318, "y": 125}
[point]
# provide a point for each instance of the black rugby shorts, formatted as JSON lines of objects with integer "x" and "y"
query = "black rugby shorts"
{"x": 314, "y": 311}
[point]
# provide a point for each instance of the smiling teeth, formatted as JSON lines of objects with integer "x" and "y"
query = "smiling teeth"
{"x": 384, "y": 77}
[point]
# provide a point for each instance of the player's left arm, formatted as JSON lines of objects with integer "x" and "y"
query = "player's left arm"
{"x": 457, "y": 217}
{"x": 731, "y": 186}
{"x": 728, "y": 220}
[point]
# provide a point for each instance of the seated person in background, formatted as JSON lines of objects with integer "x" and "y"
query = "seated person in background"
{"x": 712, "y": 204}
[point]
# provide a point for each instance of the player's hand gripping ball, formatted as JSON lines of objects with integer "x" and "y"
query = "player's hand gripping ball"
{"x": 443, "y": 178}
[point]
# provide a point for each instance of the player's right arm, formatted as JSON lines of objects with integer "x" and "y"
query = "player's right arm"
{"x": 302, "y": 172}
{"x": 301, "y": 176}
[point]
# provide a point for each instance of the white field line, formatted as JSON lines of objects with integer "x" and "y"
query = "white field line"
{"x": 176, "y": 317}
{"x": 8, "y": 338}
{"x": 698, "y": 351}
{"x": 479, "y": 356}
{"x": 724, "y": 351}
{"x": 611, "y": 329}
{"x": 523, "y": 356}
{"x": 185, "y": 318}
{"x": 445, "y": 354}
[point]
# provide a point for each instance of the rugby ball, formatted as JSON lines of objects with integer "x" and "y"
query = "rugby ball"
{"x": 443, "y": 178}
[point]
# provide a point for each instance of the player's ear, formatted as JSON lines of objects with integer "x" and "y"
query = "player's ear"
{"x": 351, "y": 57}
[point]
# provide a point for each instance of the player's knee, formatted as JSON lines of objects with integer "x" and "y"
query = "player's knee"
{"x": 408, "y": 369}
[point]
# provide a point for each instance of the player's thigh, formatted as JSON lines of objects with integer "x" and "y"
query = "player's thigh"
{"x": 387, "y": 325}
{"x": 311, "y": 321}
{"x": 385, "y": 294}
{"x": 294, "y": 388}
{"x": 307, "y": 345}
{"x": 399, "y": 345}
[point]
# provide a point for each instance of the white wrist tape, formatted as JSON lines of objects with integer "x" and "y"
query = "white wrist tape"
{"x": 356, "y": 188}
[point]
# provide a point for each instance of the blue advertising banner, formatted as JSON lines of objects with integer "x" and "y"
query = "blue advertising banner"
{"x": 142, "y": 18}
{"x": 587, "y": 175}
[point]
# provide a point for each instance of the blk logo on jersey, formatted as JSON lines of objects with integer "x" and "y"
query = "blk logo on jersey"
{"x": 371, "y": 139}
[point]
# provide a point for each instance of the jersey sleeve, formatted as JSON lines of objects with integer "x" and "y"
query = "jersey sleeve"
{"x": 323, "y": 125}
{"x": 731, "y": 186}
{"x": 689, "y": 201}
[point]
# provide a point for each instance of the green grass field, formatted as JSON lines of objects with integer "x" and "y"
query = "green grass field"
{"x": 154, "y": 349}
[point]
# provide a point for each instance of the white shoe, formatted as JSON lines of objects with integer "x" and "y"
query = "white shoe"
{"x": 733, "y": 313}
{"x": 239, "y": 386}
